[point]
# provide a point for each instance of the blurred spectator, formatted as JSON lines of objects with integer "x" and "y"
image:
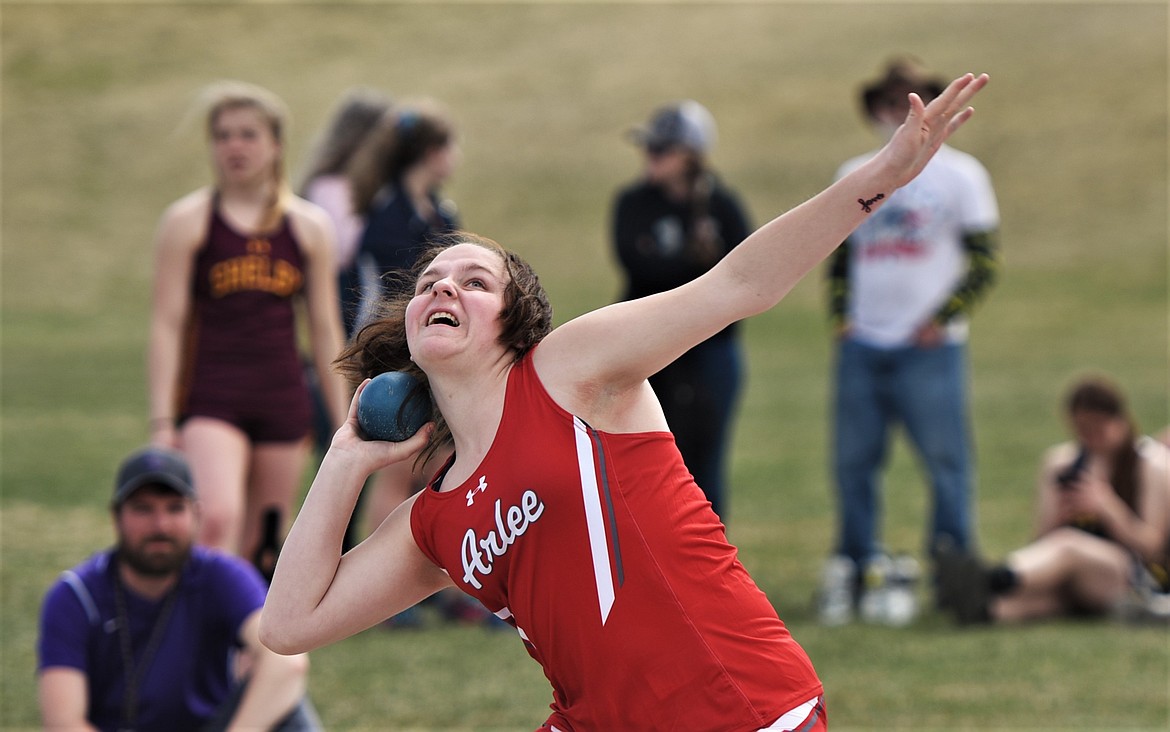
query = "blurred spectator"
{"x": 670, "y": 226}
{"x": 326, "y": 184}
{"x": 397, "y": 177}
{"x": 1102, "y": 525}
{"x": 900, "y": 290}
{"x": 142, "y": 636}
{"x": 225, "y": 374}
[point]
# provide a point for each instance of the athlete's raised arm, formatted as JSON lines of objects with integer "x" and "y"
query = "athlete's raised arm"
{"x": 610, "y": 351}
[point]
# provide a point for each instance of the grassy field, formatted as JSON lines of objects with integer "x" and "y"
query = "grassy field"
{"x": 96, "y": 140}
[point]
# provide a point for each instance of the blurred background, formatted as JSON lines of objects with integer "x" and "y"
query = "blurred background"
{"x": 99, "y": 135}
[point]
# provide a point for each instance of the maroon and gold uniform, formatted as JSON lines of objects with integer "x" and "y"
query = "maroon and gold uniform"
{"x": 241, "y": 359}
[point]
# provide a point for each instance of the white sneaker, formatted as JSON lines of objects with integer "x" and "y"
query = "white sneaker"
{"x": 835, "y": 596}
{"x": 902, "y": 591}
{"x": 875, "y": 589}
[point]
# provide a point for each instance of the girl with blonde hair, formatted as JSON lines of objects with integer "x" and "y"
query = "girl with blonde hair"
{"x": 234, "y": 261}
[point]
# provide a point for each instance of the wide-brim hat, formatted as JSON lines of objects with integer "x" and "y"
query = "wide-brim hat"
{"x": 902, "y": 75}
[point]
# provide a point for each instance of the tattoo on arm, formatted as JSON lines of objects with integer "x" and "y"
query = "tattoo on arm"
{"x": 867, "y": 204}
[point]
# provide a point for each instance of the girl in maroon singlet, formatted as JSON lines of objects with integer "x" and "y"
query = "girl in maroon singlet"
{"x": 226, "y": 385}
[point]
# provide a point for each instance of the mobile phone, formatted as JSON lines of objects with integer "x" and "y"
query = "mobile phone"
{"x": 1071, "y": 472}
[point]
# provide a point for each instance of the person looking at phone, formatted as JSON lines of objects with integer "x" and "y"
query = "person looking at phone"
{"x": 1102, "y": 524}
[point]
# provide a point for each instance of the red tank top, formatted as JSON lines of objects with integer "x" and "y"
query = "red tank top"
{"x": 242, "y": 338}
{"x": 609, "y": 561}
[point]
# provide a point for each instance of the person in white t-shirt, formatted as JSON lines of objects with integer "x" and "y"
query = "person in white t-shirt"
{"x": 900, "y": 289}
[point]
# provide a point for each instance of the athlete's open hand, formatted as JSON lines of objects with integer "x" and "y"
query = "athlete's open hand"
{"x": 928, "y": 126}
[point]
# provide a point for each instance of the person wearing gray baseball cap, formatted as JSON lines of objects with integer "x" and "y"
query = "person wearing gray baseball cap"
{"x": 141, "y": 635}
{"x": 686, "y": 124}
{"x": 153, "y": 466}
{"x": 670, "y": 226}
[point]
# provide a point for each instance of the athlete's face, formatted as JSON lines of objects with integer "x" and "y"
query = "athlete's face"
{"x": 243, "y": 147}
{"x": 456, "y": 305}
{"x": 156, "y": 529}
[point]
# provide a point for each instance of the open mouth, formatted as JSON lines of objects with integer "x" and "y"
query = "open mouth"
{"x": 443, "y": 318}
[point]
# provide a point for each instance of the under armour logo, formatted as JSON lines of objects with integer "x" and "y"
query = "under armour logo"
{"x": 481, "y": 488}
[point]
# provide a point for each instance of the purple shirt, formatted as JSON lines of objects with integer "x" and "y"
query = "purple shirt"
{"x": 190, "y": 674}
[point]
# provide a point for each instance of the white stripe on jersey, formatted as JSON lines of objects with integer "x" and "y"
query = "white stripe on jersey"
{"x": 794, "y": 718}
{"x": 503, "y": 614}
{"x": 594, "y": 521}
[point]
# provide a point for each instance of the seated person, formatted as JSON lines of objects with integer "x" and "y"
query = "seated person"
{"x": 1102, "y": 524}
{"x": 144, "y": 635}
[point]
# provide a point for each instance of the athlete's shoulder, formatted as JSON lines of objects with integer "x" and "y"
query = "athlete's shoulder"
{"x": 309, "y": 221}
{"x": 194, "y": 205}
{"x": 184, "y": 222}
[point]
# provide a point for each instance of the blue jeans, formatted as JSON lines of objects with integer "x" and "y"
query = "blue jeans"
{"x": 699, "y": 393}
{"x": 303, "y": 717}
{"x": 924, "y": 389}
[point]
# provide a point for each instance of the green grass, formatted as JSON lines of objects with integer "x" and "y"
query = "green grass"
{"x": 97, "y": 140}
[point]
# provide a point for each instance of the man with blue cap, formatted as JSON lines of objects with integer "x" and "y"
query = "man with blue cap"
{"x": 146, "y": 635}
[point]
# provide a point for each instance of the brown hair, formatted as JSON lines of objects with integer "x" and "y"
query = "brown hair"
{"x": 1099, "y": 395}
{"x": 379, "y": 346}
{"x": 400, "y": 140}
{"x": 356, "y": 116}
{"x": 902, "y": 75}
{"x": 229, "y": 95}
